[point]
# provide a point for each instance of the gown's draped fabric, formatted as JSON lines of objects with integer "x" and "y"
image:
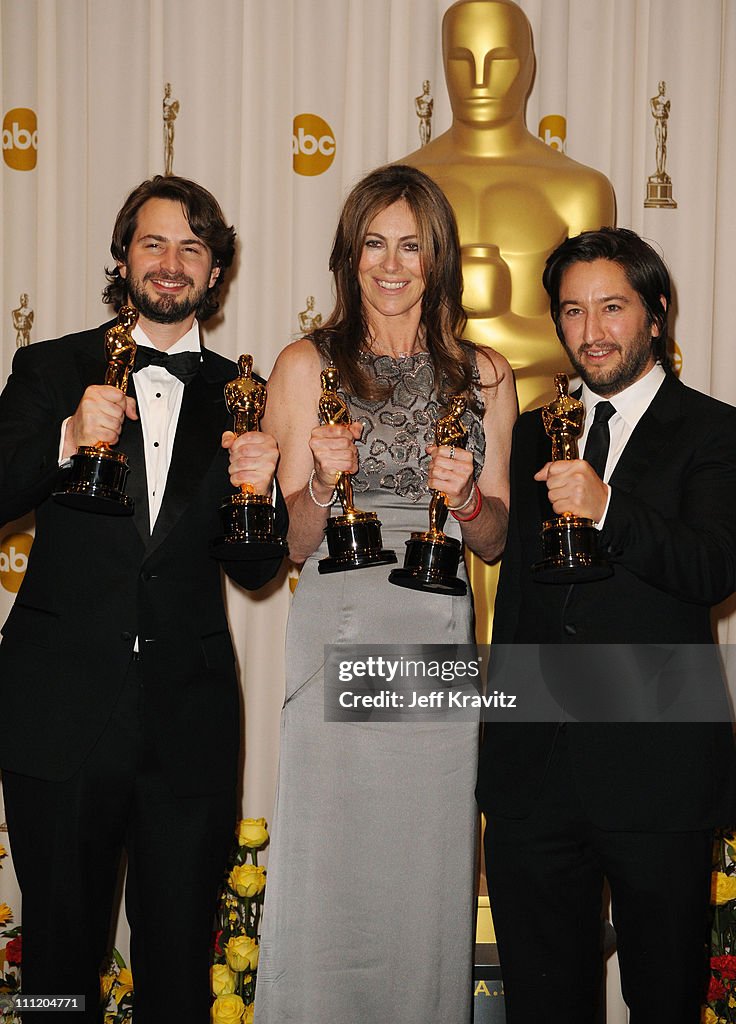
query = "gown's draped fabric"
{"x": 370, "y": 900}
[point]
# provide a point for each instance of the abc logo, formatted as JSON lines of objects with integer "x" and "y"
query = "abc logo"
{"x": 312, "y": 144}
{"x": 14, "y": 551}
{"x": 20, "y": 139}
{"x": 675, "y": 355}
{"x": 553, "y": 131}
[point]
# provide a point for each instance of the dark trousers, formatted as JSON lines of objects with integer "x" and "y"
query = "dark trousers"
{"x": 545, "y": 879}
{"x": 67, "y": 840}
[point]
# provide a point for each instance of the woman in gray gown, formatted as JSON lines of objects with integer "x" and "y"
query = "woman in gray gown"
{"x": 369, "y": 909}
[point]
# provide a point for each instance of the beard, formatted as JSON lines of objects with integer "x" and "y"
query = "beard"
{"x": 165, "y": 309}
{"x": 607, "y": 382}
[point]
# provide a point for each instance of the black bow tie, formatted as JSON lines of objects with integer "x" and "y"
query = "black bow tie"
{"x": 183, "y": 365}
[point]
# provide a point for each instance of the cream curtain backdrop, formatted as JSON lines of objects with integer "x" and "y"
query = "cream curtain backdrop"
{"x": 93, "y": 72}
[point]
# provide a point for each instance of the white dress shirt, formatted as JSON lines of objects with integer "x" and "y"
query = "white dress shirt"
{"x": 159, "y": 396}
{"x": 630, "y": 405}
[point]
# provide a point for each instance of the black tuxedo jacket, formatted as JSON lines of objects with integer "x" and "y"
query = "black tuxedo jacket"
{"x": 96, "y": 582}
{"x": 670, "y": 533}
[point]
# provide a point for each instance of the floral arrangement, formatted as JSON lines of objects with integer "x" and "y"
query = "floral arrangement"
{"x": 235, "y": 952}
{"x": 720, "y": 1007}
{"x": 10, "y": 956}
{"x": 116, "y": 990}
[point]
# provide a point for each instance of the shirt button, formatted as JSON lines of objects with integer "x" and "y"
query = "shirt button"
{"x": 158, "y": 394}
{"x": 571, "y": 629}
{"x": 155, "y": 444}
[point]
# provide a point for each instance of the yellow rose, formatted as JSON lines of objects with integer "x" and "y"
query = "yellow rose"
{"x": 223, "y": 980}
{"x": 248, "y": 1015}
{"x": 241, "y": 953}
{"x": 723, "y": 888}
{"x": 247, "y": 879}
{"x": 123, "y": 983}
{"x": 3, "y": 851}
{"x": 252, "y": 832}
{"x": 6, "y": 914}
{"x": 227, "y": 1010}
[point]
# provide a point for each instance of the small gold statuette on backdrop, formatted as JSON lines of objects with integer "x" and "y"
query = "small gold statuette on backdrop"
{"x": 659, "y": 185}
{"x": 96, "y": 480}
{"x": 354, "y": 538}
{"x": 309, "y": 320}
{"x": 248, "y": 519}
{"x": 424, "y": 105}
{"x": 569, "y": 543}
{"x": 22, "y": 323}
{"x": 170, "y": 110}
{"x": 432, "y": 558}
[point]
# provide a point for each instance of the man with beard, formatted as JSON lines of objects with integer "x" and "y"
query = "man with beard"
{"x": 627, "y": 777}
{"x": 117, "y": 675}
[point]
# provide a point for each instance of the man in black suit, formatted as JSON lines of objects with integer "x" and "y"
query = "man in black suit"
{"x": 569, "y": 804}
{"x": 117, "y": 675}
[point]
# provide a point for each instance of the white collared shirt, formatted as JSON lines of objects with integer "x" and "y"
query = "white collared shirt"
{"x": 159, "y": 396}
{"x": 630, "y": 405}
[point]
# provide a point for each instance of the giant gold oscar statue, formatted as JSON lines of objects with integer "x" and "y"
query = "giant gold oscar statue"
{"x": 515, "y": 200}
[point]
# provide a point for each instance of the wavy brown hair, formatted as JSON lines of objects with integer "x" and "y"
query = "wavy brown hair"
{"x": 204, "y": 217}
{"x": 345, "y": 332}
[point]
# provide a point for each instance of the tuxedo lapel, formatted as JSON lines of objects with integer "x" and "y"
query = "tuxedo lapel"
{"x": 91, "y": 363}
{"x": 542, "y": 455}
{"x": 649, "y": 437}
{"x": 131, "y": 444}
{"x": 202, "y": 419}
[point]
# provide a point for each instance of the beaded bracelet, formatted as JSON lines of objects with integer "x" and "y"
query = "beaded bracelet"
{"x": 459, "y": 508}
{"x": 319, "y": 504}
{"x": 476, "y": 510}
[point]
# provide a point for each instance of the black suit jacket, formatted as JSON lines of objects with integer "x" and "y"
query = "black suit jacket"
{"x": 670, "y": 533}
{"x": 96, "y": 582}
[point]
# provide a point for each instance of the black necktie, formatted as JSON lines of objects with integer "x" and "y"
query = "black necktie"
{"x": 599, "y": 438}
{"x": 183, "y": 365}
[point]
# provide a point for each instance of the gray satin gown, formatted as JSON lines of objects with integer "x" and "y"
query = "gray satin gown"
{"x": 369, "y": 911}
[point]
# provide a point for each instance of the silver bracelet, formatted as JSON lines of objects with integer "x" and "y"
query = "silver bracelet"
{"x": 321, "y": 504}
{"x": 459, "y": 508}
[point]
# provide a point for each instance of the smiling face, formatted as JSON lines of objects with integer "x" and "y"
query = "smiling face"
{"x": 606, "y": 329}
{"x": 390, "y": 270}
{"x": 168, "y": 270}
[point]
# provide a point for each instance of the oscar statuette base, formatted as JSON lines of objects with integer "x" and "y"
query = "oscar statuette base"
{"x": 354, "y": 542}
{"x": 96, "y": 482}
{"x": 249, "y": 532}
{"x": 430, "y": 564}
{"x": 659, "y": 193}
{"x": 571, "y": 553}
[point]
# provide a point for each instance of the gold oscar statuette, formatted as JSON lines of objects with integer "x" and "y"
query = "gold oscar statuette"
{"x": 659, "y": 185}
{"x": 432, "y": 558}
{"x": 354, "y": 538}
{"x": 569, "y": 543}
{"x": 96, "y": 480}
{"x": 248, "y": 519}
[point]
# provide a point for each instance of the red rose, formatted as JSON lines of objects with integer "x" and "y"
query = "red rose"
{"x": 716, "y": 990}
{"x": 216, "y": 942}
{"x": 725, "y": 965}
{"x": 13, "y": 950}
